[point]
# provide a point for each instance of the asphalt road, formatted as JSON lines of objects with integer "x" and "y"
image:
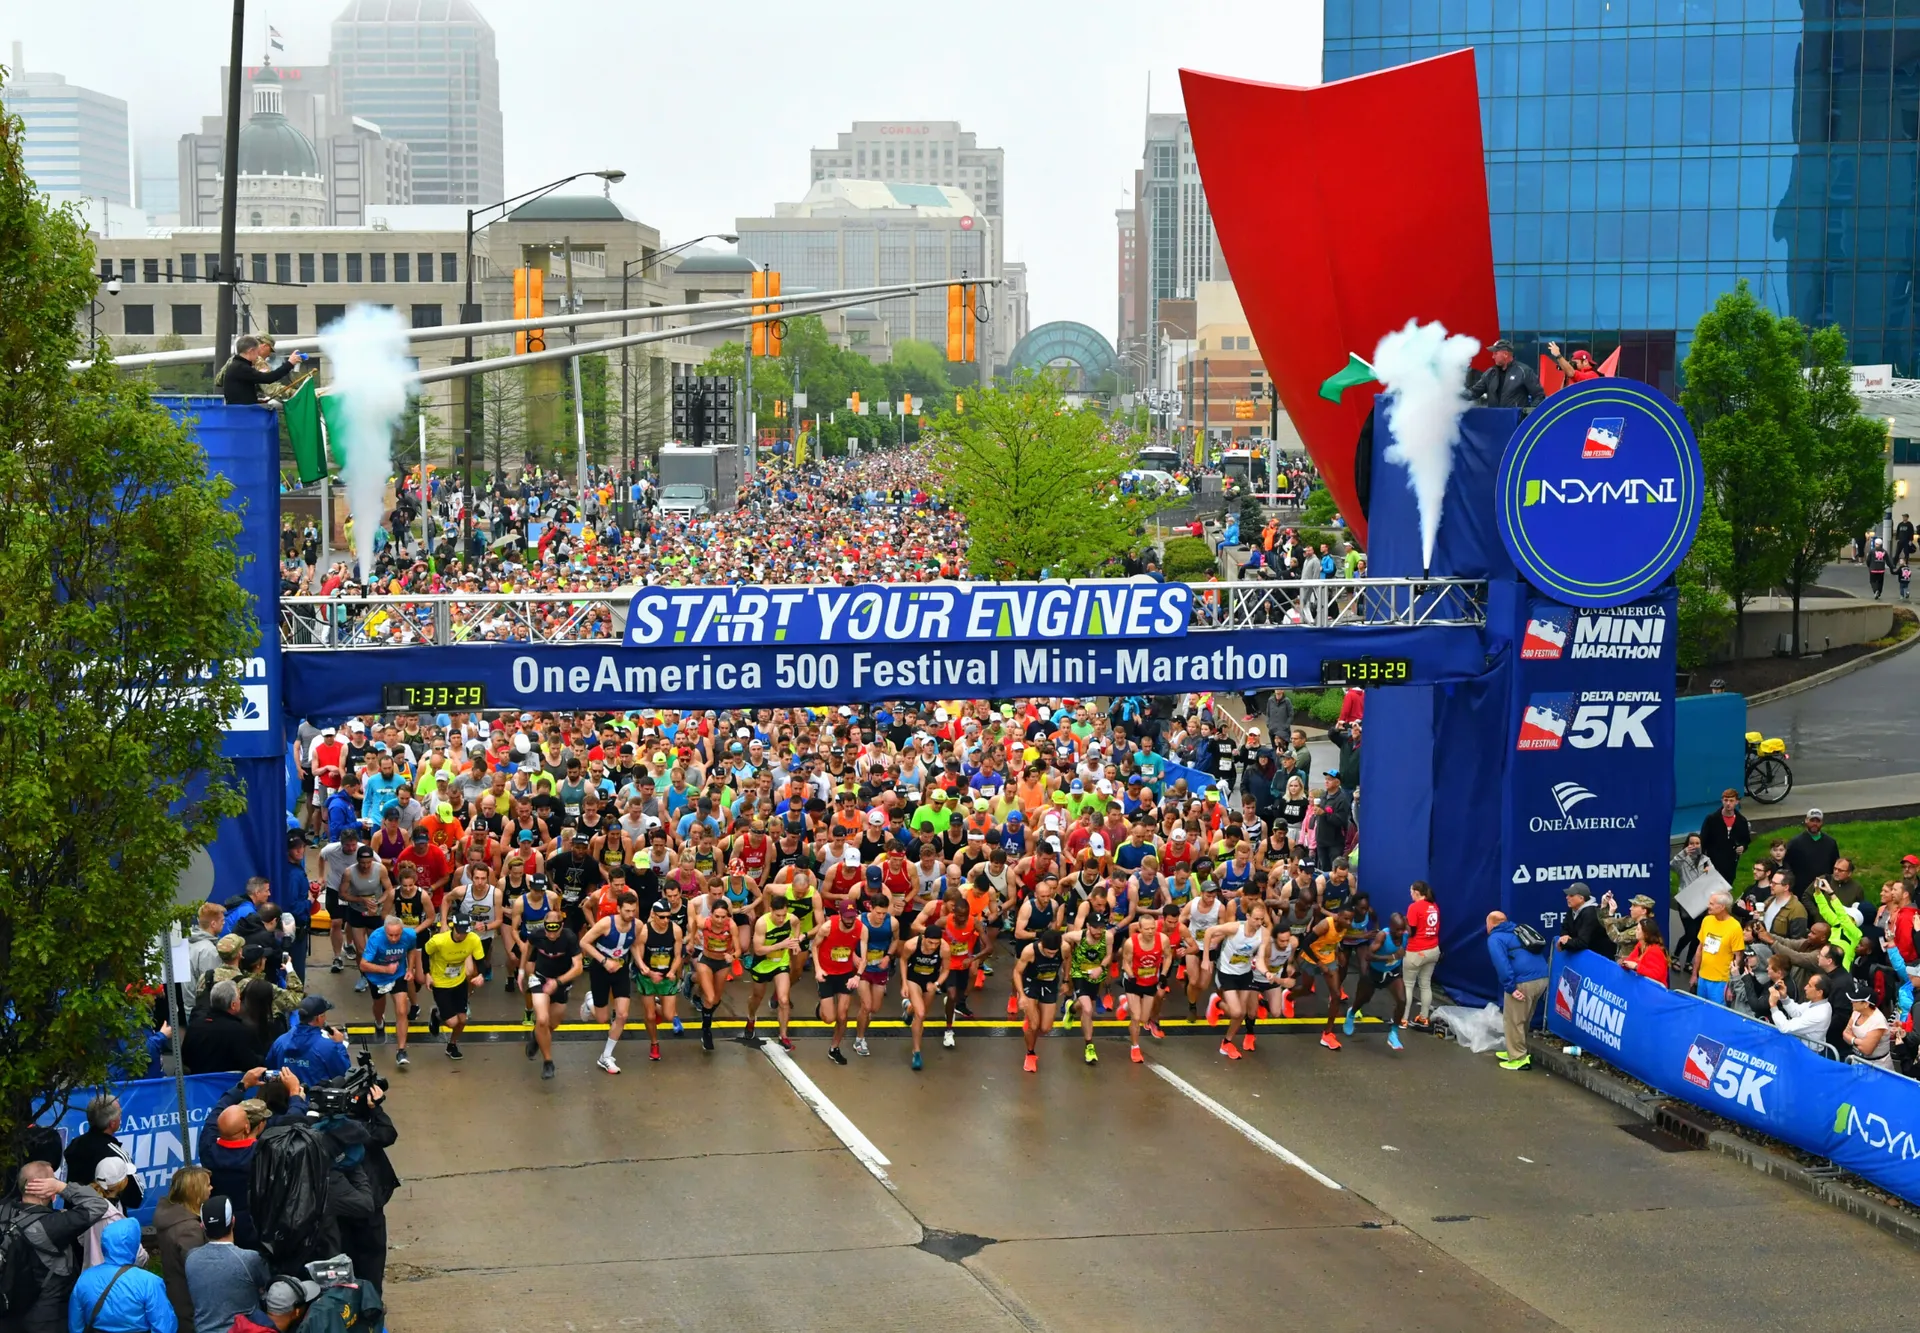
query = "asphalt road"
{"x": 1421, "y": 1190}
{"x": 1860, "y": 726}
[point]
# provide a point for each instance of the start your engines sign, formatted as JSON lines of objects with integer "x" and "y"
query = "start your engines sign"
{"x": 1599, "y": 494}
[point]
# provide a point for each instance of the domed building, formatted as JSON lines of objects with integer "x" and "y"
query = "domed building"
{"x": 281, "y": 184}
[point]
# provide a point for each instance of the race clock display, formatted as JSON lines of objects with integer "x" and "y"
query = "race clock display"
{"x": 1365, "y": 671}
{"x": 432, "y": 695}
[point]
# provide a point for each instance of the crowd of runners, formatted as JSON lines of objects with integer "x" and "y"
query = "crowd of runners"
{"x": 843, "y": 864}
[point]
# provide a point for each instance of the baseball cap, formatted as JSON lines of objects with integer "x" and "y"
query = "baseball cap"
{"x": 296, "y": 837}
{"x": 1642, "y": 900}
{"x": 216, "y": 1215}
{"x": 875, "y": 817}
{"x": 1015, "y": 817}
{"x": 1212, "y": 793}
{"x": 1815, "y": 813}
{"x": 314, "y": 1006}
{"x": 287, "y": 1294}
{"x": 874, "y": 874}
{"x": 1910, "y": 860}
{"x": 420, "y": 835}
{"x": 1578, "y": 889}
{"x": 463, "y": 921}
{"x": 111, "y": 1171}
{"x": 1178, "y": 835}
{"x": 581, "y": 835}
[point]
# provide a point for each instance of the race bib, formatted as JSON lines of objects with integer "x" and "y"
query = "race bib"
{"x": 1712, "y": 943}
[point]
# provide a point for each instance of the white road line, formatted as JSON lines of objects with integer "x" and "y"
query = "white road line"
{"x": 832, "y": 1116}
{"x": 1247, "y": 1131}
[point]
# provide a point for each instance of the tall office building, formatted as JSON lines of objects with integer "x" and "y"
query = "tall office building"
{"x": 76, "y": 138}
{"x": 932, "y": 152}
{"x": 1128, "y": 277}
{"x": 1173, "y": 227}
{"x": 1645, "y": 156}
{"x": 425, "y": 72}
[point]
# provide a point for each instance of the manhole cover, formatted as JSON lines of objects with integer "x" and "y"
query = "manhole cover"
{"x": 953, "y": 1246}
{"x": 1659, "y": 1138}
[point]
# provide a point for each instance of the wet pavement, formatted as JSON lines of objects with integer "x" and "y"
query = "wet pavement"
{"x": 1361, "y": 1189}
{"x": 1860, "y": 726}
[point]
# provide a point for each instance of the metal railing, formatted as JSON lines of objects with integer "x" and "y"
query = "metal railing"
{"x": 402, "y": 620}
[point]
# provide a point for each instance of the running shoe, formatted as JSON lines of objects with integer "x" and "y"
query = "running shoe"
{"x": 1263, "y": 1012}
{"x": 379, "y": 1031}
{"x": 1328, "y": 1040}
{"x": 960, "y": 1010}
{"x": 1213, "y": 1009}
{"x": 1180, "y": 972}
{"x": 1501, "y": 1055}
{"x": 1393, "y": 1039}
{"x": 360, "y": 986}
{"x": 979, "y": 981}
{"x": 586, "y": 1010}
{"x": 1524, "y": 1062}
{"x": 533, "y": 1046}
{"x": 453, "y": 1051}
{"x": 1346, "y": 1024}
{"x": 946, "y": 1039}
{"x": 353, "y": 954}
{"x": 546, "y": 1069}
{"x": 1246, "y": 1041}
{"x": 836, "y": 1055}
{"x": 918, "y": 1063}
{"x": 1422, "y": 1022}
{"x": 606, "y": 1063}
{"x": 1121, "y": 1007}
{"x": 679, "y": 1028}
{"x": 906, "y": 1009}
{"x": 786, "y": 1043}
{"x": 1154, "y": 1030}
{"x": 653, "y": 1051}
{"x": 1031, "y": 1064}
{"x": 1229, "y": 1050}
{"x": 1286, "y": 1005}
{"x": 706, "y": 1041}
{"x": 860, "y": 1046}
{"x": 737, "y": 968}
{"x": 1093, "y": 1056}
{"x": 339, "y": 965}
{"x": 1013, "y": 1006}
{"x": 433, "y": 1022}
{"x": 1137, "y": 1057}
{"x": 986, "y": 969}
{"x": 1106, "y": 1004}
{"x": 400, "y": 1059}
{"x": 526, "y": 1018}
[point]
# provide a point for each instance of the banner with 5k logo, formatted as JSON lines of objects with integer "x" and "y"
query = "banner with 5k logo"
{"x": 1590, "y": 782}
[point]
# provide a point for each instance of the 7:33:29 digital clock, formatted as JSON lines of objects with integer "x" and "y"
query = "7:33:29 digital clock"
{"x": 425, "y": 695}
{"x": 1364, "y": 671}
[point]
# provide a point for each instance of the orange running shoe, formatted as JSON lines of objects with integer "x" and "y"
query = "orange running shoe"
{"x": 737, "y": 969}
{"x": 653, "y": 1052}
{"x": 1246, "y": 1042}
{"x": 1213, "y": 1009}
{"x": 1227, "y": 1049}
{"x": 1158, "y": 1035}
{"x": 1013, "y": 1006}
{"x": 1286, "y": 1005}
{"x": 979, "y": 980}
{"x": 1136, "y": 1057}
{"x": 1032, "y": 1064}
{"x": 1262, "y": 1013}
{"x": 1328, "y": 1040}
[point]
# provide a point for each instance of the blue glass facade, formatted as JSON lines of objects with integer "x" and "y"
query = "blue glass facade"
{"x": 1644, "y": 155}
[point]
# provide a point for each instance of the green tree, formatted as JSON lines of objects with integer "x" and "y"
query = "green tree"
{"x": 1746, "y": 398}
{"x": 1035, "y": 482}
{"x": 1704, "y": 613}
{"x": 119, "y": 563}
{"x": 1841, "y": 463}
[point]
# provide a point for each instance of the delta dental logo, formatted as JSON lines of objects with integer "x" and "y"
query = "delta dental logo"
{"x": 1625, "y": 633}
{"x": 1728, "y": 1072}
{"x": 1544, "y": 725}
{"x": 1603, "y": 437}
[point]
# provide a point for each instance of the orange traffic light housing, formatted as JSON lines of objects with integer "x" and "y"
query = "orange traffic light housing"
{"x": 766, "y": 333}
{"x": 970, "y": 324}
{"x": 529, "y": 302}
{"x": 956, "y": 326}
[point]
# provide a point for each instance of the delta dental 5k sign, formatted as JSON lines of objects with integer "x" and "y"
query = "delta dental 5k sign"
{"x": 1599, "y": 499}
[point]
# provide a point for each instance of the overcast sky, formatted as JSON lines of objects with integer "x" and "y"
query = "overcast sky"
{"x": 708, "y": 130}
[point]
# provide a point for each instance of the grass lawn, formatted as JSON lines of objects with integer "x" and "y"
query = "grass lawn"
{"x": 1875, "y": 847}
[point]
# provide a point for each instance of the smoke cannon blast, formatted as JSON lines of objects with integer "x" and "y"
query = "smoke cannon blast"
{"x": 1424, "y": 369}
{"x": 367, "y": 353}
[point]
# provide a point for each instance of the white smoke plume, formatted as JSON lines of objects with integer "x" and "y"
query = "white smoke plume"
{"x": 366, "y": 353}
{"x": 1424, "y": 369}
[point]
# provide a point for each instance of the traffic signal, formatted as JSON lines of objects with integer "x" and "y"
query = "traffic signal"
{"x": 956, "y": 323}
{"x": 766, "y": 334}
{"x": 773, "y": 327}
{"x": 959, "y": 405}
{"x": 906, "y": 404}
{"x": 1243, "y": 409}
{"x": 529, "y": 302}
{"x": 970, "y": 323}
{"x": 853, "y": 403}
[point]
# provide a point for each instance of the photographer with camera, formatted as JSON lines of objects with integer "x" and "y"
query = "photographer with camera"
{"x": 362, "y": 1178}
{"x": 313, "y": 1050}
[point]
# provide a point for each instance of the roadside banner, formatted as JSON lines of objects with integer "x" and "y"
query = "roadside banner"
{"x": 1859, "y": 1118}
{"x": 150, "y": 1132}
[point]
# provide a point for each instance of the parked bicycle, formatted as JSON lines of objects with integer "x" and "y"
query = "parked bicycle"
{"x": 1769, "y": 779}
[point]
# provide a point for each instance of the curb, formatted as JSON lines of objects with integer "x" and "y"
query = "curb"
{"x": 1832, "y": 673}
{"x": 1814, "y": 1181}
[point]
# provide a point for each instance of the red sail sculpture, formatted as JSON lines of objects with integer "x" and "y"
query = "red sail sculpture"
{"x": 1344, "y": 211}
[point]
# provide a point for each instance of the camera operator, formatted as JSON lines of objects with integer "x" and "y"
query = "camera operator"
{"x": 313, "y": 1050}
{"x": 363, "y": 1179}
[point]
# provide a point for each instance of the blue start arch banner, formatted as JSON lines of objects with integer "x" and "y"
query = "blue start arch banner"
{"x": 1599, "y": 493}
{"x": 330, "y": 684}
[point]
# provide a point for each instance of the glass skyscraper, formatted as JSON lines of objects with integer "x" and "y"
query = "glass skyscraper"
{"x": 1644, "y": 155}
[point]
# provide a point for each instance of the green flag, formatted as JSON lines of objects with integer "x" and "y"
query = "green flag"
{"x": 333, "y": 410}
{"x": 302, "y": 414}
{"x": 1355, "y": 372}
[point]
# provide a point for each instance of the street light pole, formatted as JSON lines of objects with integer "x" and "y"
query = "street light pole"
{"x": 223, "y": 315}
{"x": 612, "y": 176}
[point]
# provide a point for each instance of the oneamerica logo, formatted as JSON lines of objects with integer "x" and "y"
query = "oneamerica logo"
{"x": 1567, "y": 795}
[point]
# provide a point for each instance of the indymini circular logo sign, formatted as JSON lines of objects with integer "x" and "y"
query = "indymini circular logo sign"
{"x": 1600, "y": 492}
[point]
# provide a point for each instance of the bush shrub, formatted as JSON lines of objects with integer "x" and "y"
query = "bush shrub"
{"x": 1320, "y": 508}
{"x": 1189, "y": 560}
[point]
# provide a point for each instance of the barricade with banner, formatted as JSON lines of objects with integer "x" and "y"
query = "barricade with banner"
{"x": 1859, "y": 1118}
{"x": 150, "y": 1128}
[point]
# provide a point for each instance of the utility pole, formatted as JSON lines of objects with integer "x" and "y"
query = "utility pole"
{"x": 579, "y": 402}
{"x": 224, "y": 314}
